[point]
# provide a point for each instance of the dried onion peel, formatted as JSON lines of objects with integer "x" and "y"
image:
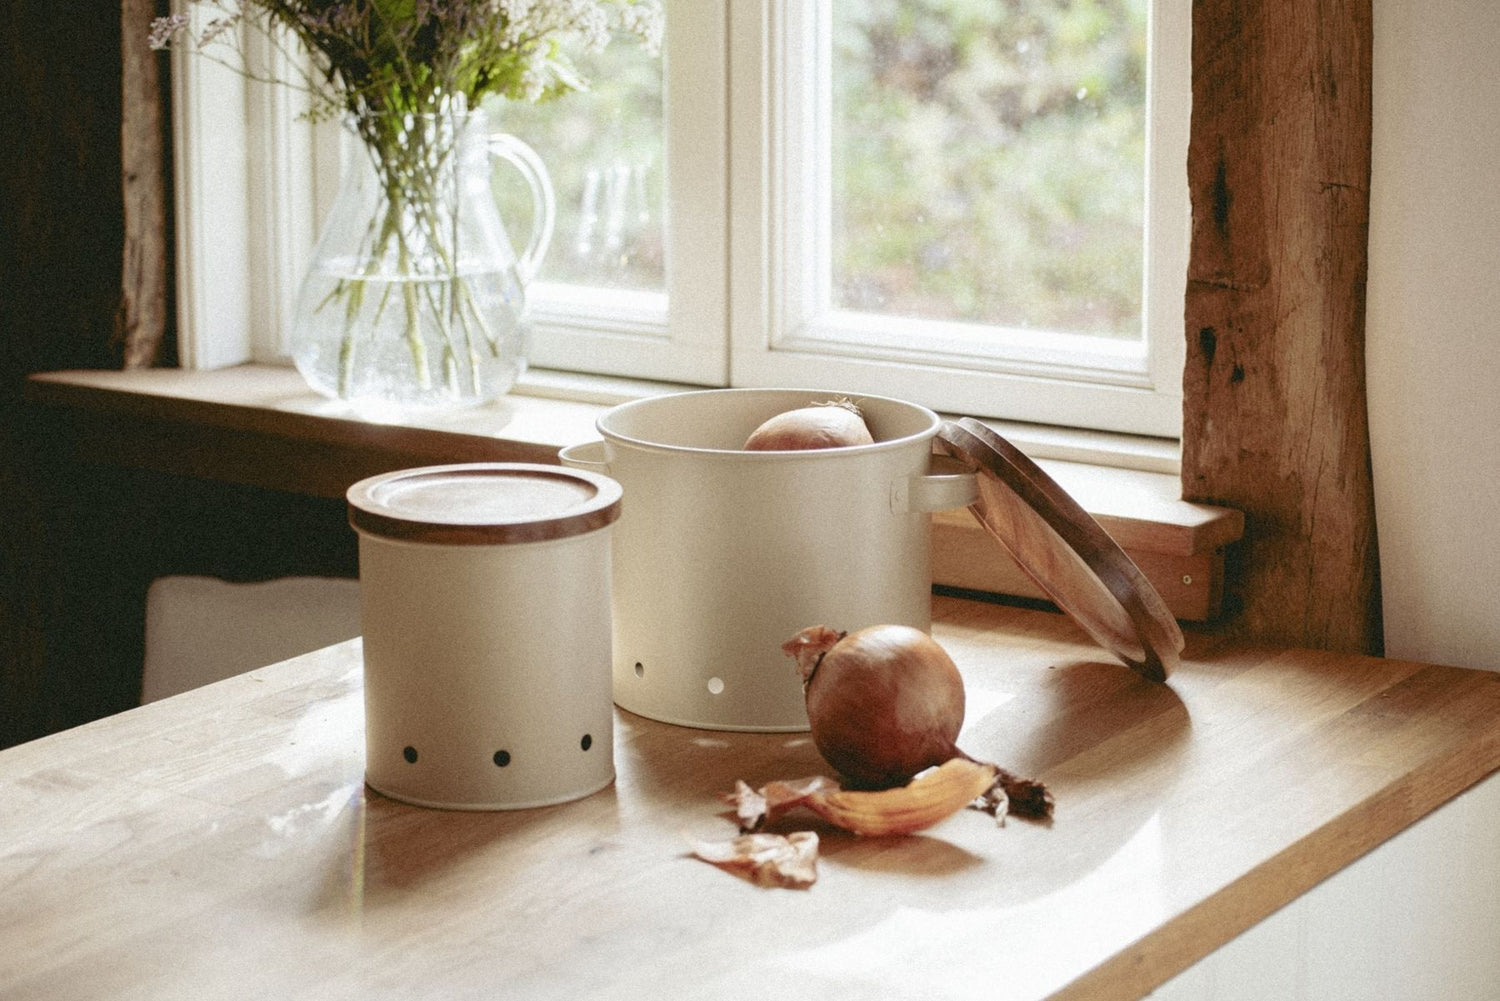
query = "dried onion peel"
{"x": 766, "y": 859}
{"x": 931, "y": 797}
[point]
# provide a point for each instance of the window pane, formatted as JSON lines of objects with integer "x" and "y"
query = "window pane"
{"x": 988, "y": 161}
{"x": 603, "y": 149}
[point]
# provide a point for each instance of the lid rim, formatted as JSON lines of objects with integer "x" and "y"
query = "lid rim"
{"x": 369, "y": 515}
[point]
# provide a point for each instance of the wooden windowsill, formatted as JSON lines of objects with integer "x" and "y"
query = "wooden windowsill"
{"x": 259, "y": 425}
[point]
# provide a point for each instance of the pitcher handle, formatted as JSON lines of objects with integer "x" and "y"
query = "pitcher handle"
{"x": 543, "y": 199}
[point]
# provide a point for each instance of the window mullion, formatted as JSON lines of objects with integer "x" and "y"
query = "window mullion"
{"x": 1168, "y": 216}
{"x": 687, "y": 342}
{"x": 754, "y": 289}
{"x": 212, "y": 209}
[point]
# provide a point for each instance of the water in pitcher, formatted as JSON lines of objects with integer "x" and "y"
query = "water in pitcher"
{"x": 408, "y": 342}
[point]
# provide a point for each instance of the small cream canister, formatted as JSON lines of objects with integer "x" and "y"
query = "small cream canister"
{"x": 485, "y": 608}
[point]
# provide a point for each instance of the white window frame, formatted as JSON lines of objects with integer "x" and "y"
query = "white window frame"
{"x": 784, "y": 334}
{"x": 742, "y": 218}
{"x": 247, "y": 205}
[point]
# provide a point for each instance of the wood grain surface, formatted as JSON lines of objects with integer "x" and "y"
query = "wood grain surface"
{"x": 1066, "y": 552}
{"x": 1274, "y": 383}
{"x": 965, "y": 556}
{"x": 142, "y": 322}
{"x": 222, "y": 843}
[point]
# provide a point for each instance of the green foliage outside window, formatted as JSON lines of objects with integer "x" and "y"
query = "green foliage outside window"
{"x": 988, "y": 161}
{"x": 603, "y": 150}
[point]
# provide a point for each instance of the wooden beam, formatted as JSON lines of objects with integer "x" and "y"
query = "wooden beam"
{"x": 1274, "y": 403}
{"x": 141, "y": 323}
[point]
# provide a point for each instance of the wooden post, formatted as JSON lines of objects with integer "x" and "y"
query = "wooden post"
{"x": 141, "y": 322}
{"x": 1274, "y": 418}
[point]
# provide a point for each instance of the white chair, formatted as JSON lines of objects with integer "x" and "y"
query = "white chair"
{"x": 202, "y": 629}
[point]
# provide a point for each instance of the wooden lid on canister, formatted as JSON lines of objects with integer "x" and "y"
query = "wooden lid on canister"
{"x": 483, "y": 503}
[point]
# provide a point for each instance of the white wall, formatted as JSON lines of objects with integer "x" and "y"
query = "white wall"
{"x": 1433, "y": 327}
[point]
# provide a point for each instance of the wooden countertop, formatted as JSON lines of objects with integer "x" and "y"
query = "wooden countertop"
{"x": 222, "y": 843}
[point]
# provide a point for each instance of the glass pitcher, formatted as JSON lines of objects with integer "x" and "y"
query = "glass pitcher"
{"x": 415, "y": 298}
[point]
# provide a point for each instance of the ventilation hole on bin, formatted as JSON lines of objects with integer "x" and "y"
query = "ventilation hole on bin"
{"x": 587, "y": 741}
{"x": 716, "y": 686}
{"x": 640, "y": 669}
{"x": 410, "y": 754}
{"x": 502, "y": 758}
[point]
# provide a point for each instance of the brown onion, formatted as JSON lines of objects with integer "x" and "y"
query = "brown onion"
{"x": 884, "y": 703}
{"x": 834, "y": 424}
{"x": 887, "y": 702}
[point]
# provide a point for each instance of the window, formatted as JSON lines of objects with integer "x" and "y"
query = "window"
{"x": 978, "y": 206}
{"x": 636, "y": 282}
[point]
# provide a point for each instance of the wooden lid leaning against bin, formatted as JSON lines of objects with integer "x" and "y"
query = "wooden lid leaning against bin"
{"x": 483, "y": 504}
{"x": 1065, "y": 551}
